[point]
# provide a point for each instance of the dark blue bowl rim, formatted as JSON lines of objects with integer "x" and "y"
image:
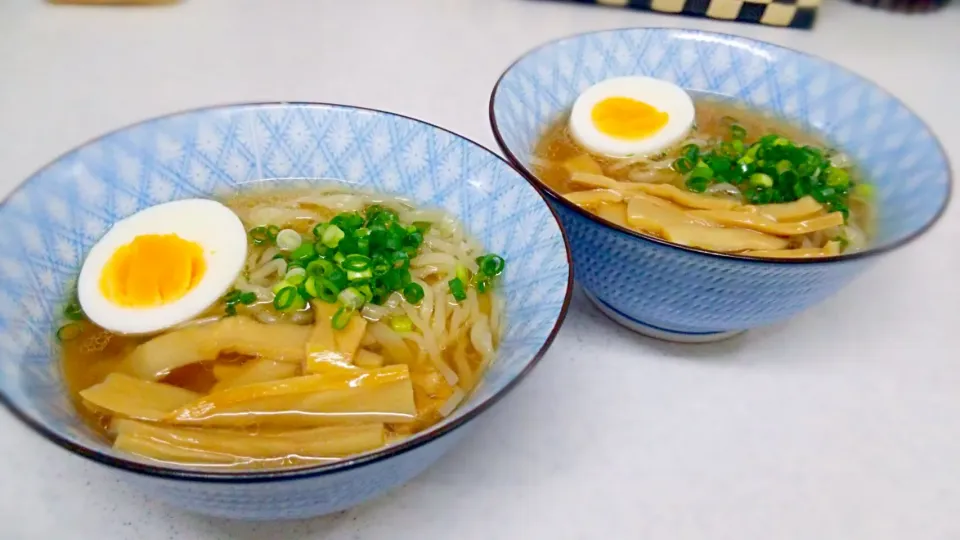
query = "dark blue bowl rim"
{"x": 559, "y": 199}
{"x": 347, "y": 464}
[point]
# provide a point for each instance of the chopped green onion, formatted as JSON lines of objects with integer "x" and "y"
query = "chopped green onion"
{"x": 326, "y": 290}
{"x": 296, "y": 276}
{"x": 247, "y": 298}
{"x": 702, "y": 170}
{"x": 338, "y": 277}
{"x": 259, "y": 235}
{"x": 683, "y": 165}
{"x": 73, "y": 311}
{"x": 353, "y": 275}
{"x": 288, "y": 240}
{"x": 366, "y": 291}
{"x": 320, "y": 267}
{"x": 698, "y": 183}
{"x": 691, "y": 152}
{"x": 342, "y": 317}
{"x": 413, "y": 293}
{"x": 285, "y": 298}
{"x": 332, "y": 236}
{"x": 356, "y": 263}
{"x": 318, "y": 230}
{"x": 400, "y": 260}
{"x": 457, "y": 289}
{"x": 737, "y": 132}
{"x": 351, "y": 297}
{"x": 838, "y": 178}
{"x": 492, "y": 264}
{"x": 482, "y": 283}
{"x": 761, "y": 180}
{"x": 304, "y": 253}
{"x": 69, "y": 331}
{"x": 401, "y": 323}
{"x": 272, "y": 232}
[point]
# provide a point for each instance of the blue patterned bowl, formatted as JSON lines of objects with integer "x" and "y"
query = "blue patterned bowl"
{"x": 683, "y": 294}
{"x": 57, "y": 215}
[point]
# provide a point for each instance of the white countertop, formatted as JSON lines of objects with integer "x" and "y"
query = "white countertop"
{"x": 842, "y": 425}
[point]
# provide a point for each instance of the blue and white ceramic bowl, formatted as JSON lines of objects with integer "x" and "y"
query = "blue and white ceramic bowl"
{"x": 51, "y": 221}
{"x": 685, "y": 294}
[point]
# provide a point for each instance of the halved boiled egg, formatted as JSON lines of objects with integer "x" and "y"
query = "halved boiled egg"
{"x": 628, "y": 116}
{"x": 162, "y": 266}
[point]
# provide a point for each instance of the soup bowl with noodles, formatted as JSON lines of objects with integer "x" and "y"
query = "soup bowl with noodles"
{"x": 273, "y": 311}
{"x": 709, "y": 183}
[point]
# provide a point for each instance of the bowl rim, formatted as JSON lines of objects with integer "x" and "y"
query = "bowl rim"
{"x": 343, "y": 465}
{"x": 559, "y": 199}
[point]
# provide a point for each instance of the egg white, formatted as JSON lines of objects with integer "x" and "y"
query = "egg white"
{"x": 657, "y": 93}
{"x": 211, "y": 225}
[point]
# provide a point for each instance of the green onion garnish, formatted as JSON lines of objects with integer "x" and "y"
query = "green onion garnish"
{"x": 285, "y": 298}
{"x": 413, "y": 293}
{"x": 356, "y": 263}
{"x": 773, "y": 169}
{"x": 288, "y": 240}
{"x": 327, "y": 290}
{"x": 259, "y": 235}
{"x": 492, "y": 264}
{"x": 69, "y": 331}
{"x": 342, "y": 317}
{"x": 457, "y": 289}
{"x": 332, "y": 236}
{"x": 73, "y": 311}
{"x": 304, "y": 253}
{"x": 320, "y": 267}
{"x": 296, "y": 276}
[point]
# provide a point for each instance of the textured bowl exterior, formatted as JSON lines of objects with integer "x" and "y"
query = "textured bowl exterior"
{"x": 56, "y": 216}
{"x": 688, "y": 292}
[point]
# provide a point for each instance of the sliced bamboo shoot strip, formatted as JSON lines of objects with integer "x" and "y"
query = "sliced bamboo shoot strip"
{"x": 682, "y": 197}
{"x": 828, "y": 250}
{"x": 762, "y": 223}
{"x": 330, "y": 441}
{"x": 791, "y": 211}
{"x": 161, "y": 355}
{"x": 135, "y": 398}
{"x": 720, "y": 239}
{"x": 614, "y": 213}
{"x": 655, "y": 215}
{"x": 594, "y": 197}
{"x": 378, "y": 395}
{"x": 258, "y": 371}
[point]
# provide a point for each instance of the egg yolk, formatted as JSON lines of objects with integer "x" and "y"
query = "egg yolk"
{"x": 626, "y": 118}
{"x": 152, "y": 270}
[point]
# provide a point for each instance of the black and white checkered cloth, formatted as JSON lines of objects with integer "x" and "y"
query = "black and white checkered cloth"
{"x": 790, "y": 13}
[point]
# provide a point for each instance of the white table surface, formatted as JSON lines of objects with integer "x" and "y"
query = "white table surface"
{"x": 842, "y": 425}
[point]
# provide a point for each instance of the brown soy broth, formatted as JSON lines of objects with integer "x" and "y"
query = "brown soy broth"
{"x": 95, "y": 353}
{"x": 713, "y": 120}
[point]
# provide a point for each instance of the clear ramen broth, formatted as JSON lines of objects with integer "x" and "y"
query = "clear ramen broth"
{"x": 715, "y": 191}
{"x": 257, "y": 382}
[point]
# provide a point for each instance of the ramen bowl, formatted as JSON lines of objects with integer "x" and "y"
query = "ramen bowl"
{"x": 54, "y": 218}
{"x": 685, "y": 294}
